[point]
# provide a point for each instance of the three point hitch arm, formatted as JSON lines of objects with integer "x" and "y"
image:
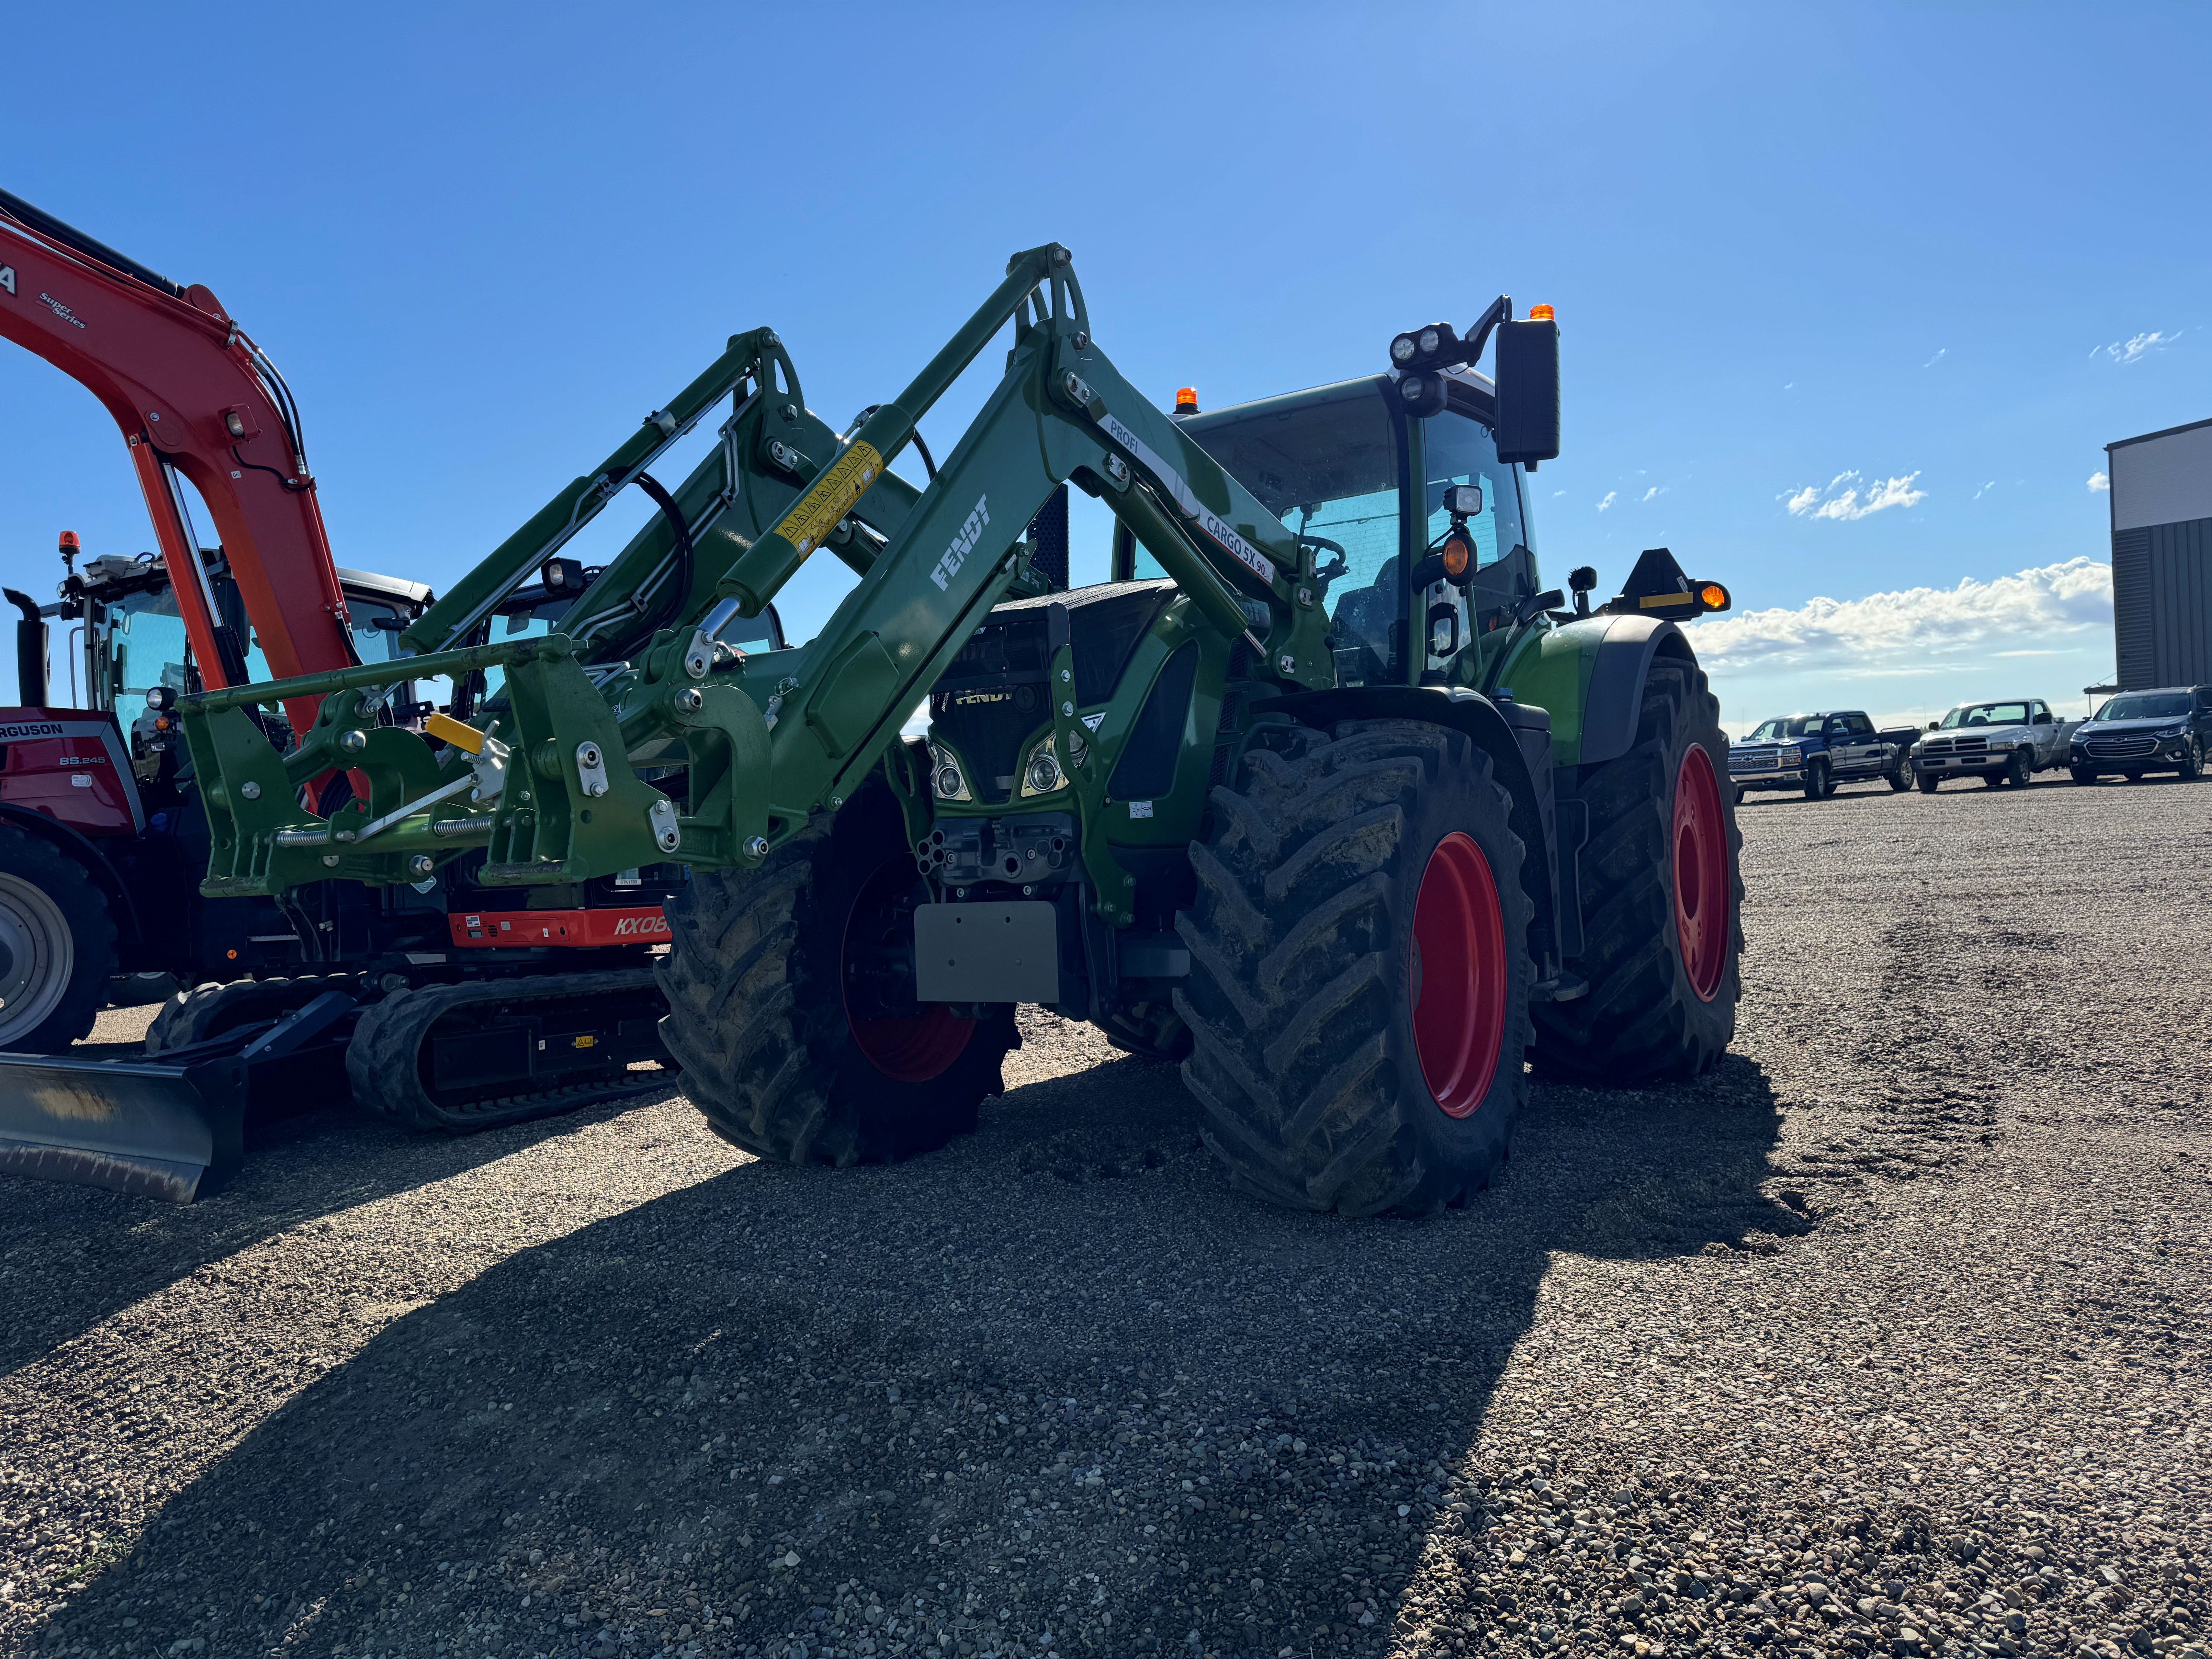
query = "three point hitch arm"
{"x": 560, "y": 778}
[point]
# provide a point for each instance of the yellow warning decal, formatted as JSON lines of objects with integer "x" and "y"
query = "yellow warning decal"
{"x": 831, "y": 497}
{"x": 1664, "y": 601}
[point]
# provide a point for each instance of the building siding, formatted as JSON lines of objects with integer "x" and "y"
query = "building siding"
{"x": 2162, "y": 604}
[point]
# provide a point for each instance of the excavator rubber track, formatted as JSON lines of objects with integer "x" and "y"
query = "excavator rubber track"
{"x": 463, "y": 1058}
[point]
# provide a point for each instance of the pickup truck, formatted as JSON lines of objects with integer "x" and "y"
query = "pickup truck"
{"x": 1999, "y": 743}
{"x": 1818, "y": 752}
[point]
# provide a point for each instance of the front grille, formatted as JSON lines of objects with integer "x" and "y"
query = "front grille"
{"x": 1955, "y": 746}
{"x": 2122, "y": 748}
{"x": 1739, "y": 762}
{"x": 992, "y": 698}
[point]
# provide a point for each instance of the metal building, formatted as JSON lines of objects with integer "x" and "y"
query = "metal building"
{"x": 2161, "y": 488}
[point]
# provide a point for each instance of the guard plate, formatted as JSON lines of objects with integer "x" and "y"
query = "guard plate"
{"x": 987, "y": 952}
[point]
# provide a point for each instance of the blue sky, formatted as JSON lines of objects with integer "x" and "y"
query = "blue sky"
{"x": 1889, "y": 255}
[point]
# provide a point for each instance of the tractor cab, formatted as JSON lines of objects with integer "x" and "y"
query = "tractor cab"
{"x": 1415, "y": 580}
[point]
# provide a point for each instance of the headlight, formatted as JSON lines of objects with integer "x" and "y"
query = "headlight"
{"x": 1790, "y": 756}
{"x": 946, "y": 781}
{"x": 1041, "y": 773}
{"x": 2169, "y": 735}
{"x": 1999, "y": 745}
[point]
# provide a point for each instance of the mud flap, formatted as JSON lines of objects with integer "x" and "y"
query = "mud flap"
{"x": 171, "y": 1127}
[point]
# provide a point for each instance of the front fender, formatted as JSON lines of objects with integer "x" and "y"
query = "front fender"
{"x": 1589, "y": 673}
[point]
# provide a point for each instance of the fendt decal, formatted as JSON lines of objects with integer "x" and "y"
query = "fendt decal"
{"x": 8, "y": 279}
{"x": 962, "y": 545}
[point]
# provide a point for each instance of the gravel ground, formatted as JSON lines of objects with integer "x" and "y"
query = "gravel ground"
{"x": 1887, "y": 1336}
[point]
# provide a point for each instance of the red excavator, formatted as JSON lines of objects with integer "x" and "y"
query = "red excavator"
{"x": 439, "y": 1006}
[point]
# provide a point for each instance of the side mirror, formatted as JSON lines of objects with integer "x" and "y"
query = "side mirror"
{"x": 1528, "y": 390}
{"x": 1934, "y": 725}
{"x": 2045, "y": 718}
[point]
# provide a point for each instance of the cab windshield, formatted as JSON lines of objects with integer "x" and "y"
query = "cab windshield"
{"x": 1458, "y": 449}
{"x": 1329, "y": 467}
{"x": 2147, "y": 706}
{"x": 1797, "y": 726}
{"x": 1986, "y": 713}
{"x": 146, "y": 647}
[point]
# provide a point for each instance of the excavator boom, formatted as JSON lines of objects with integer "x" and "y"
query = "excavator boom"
{"x": 195, "y": 399}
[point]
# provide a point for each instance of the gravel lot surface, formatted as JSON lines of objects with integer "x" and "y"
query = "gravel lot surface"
{"x": 1889, "y": 1336}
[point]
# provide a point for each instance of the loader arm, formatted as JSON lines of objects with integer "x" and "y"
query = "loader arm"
{"x": 767, "y": 740}
{"x": 196, "y": 397}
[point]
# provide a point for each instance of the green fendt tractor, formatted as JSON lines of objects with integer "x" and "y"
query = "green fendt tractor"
{"x": 1322, "y": 794}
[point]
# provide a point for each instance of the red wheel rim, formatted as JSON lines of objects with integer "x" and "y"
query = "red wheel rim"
{"x": 1457, "y": 975}
{"x": 911, "y": 1050}
{"x": 1701, "y": 878}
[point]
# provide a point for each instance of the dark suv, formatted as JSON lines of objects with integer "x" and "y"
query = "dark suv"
{"x": 2167, "y": 730}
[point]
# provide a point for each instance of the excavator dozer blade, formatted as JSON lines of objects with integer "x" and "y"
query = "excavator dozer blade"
{"x": 159, "y": 1131}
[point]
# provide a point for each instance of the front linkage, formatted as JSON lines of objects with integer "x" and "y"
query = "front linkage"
{"x": 548, "y": 781}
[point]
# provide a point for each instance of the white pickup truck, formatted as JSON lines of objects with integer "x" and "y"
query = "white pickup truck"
{"x": 1999, "y": 743}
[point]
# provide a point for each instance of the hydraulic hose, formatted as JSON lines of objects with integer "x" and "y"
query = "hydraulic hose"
{"x": 676, "y": 585}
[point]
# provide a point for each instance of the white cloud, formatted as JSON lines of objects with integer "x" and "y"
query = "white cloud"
{"x": 1808, "y": 502}
{"x": 1611, "y": 496}
{"x": 2098, "y": 481}
{"x": 1900, "y": 632}
{"x": 1936, "y": 359}
{"x": 2137, "y": 348}
{"x": 1654, "y": 491}
{"x": 1985, "y": 490}
{"x": 1557, "y": 494}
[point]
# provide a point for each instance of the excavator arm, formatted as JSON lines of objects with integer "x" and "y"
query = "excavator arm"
{"x": 197, "y": 400}
{"x": 551, "y": 781}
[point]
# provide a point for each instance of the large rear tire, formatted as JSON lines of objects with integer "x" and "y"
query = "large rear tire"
{"x": 760, "y": 1019}
{"x": 57, "y": 946}
{"x": 1661, "y": 899}
{"x": 1358, "y": 994}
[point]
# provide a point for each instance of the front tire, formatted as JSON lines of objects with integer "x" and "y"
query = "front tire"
{"x": 2083, "y": 773}
{"x": 1819, "y": 783}
{"x": 2192, "y": 765}
{"x": 1930, "y": 782}
{"x": 1358, "y": 995}
{"x": 760, "y": 1019}
{"x": 57, "y": 946}
{"x": 2016, "y": 770}
{"x": 1661, "y": 894}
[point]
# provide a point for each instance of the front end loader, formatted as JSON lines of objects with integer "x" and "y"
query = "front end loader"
{"x": 1322, "y": 795}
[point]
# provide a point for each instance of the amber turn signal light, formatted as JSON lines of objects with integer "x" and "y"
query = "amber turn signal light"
{"x": 1458, "y": 556}
{"x": 1541, "y": 314}
{"x": 1186, "y": 400}
{"x": 1712, "y": 596}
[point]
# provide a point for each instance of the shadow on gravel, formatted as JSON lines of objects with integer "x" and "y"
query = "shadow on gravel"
{"x": 1057, "y": 1372}
{"x": 88, "y": 1253}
